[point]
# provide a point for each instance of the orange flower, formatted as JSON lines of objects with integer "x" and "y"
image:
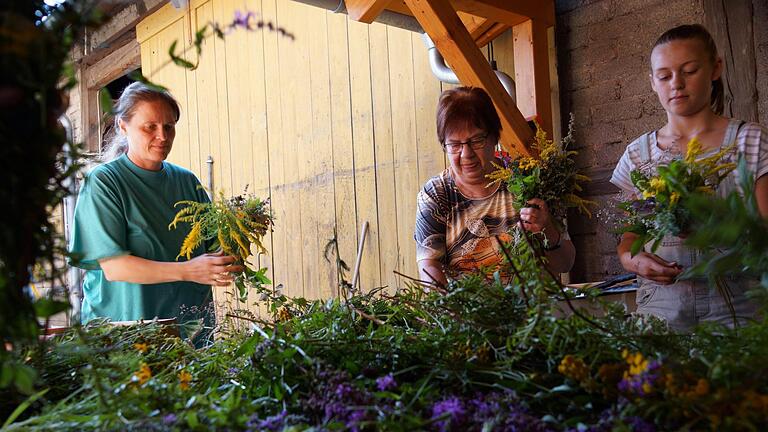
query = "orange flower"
{"x": 184, "y": 379}
{"x": 141, "y": 347}
{"x": 142, "y": 375}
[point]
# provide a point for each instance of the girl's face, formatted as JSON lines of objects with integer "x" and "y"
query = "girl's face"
{"x": 682, "y": 72}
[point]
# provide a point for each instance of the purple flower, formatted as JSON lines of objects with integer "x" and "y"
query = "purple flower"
{"x": 639, "y": 425}
{"x": 452, "y": 408}
{"x": 169, "y": 419}
{"x": 243, "y": 21}
{"x": 354, "y": 419}
{"x": 386, "y": 382}
{"x": 273, "y": 423}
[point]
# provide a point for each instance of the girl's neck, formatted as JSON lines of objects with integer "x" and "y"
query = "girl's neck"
{"x": 679, "y": 130}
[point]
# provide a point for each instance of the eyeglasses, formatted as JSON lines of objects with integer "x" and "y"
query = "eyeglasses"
{"x": 454, "y": 147}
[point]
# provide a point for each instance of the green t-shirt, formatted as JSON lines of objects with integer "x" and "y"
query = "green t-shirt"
{"x": 123, "y": 209}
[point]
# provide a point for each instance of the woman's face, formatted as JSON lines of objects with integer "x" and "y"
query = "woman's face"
{"x": 150, "y": 134}
{"x": 681, "y": 75}
{"x": 471, "y": 165}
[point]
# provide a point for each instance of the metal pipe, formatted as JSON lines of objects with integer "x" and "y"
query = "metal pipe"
{"x": 443, "y": 73}
{"x": 209, "y": 161}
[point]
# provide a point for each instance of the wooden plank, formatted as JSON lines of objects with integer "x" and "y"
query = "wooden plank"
{"x": 125, "y": 59}
{"x": 342, "y": 141}
{"x": 365, "y": 10}
{"x": 457, "y": 47}
{"x": 731, "y": 27}
{"x": 492, "y": 33}
{"x": 158, "y": 21}
{"x": 120, "y": 22}
{"x": 223, "y": 174}
{"x": 275, "y": 142}
{"x": 293, "y": 67}
{"x": 365, "y": 168}
{"x": 385, "y": 163}
{"x": 406, "y": 184}
{"x": 319, "y": 162}
{"x": 532, "y": 72}
{"x": 426, "y": 87}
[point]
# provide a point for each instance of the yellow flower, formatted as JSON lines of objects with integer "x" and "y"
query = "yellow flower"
{"x": 702, "y": 387}
{"x": 573, "y": 367}
{"x": 191, "y": 241}
{"x": 141, "y": 347}
{"x": 527, "y": 163}
{"x": 637, "y": 363}
{"x": 184, "y": 379}
{"x": 694, "y": 149}
{"x": 648, "y": 194}
{"x": 674, "y": 197}
{"x": 658, "y": 184}
{"x": 142, "y": 375}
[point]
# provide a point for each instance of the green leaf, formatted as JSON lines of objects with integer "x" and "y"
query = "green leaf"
{"x": 46, "y": 307}
{"x": 248, "y": 347}
{"x": 105, "y": 101}
{"x": 23, "y": 406}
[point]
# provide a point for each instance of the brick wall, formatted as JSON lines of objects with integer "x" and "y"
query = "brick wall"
{"x": 603, "y": 49}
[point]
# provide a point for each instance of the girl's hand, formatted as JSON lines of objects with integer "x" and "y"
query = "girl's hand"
{"x": 212, "y": 269}
{"x": 537, "y": 218}
{"x": 652, "y": 267}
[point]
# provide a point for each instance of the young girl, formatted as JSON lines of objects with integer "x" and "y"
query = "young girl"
{"x": 686, "y": 76}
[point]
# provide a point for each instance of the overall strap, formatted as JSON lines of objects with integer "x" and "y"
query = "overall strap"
{"x": 645, "y": 148}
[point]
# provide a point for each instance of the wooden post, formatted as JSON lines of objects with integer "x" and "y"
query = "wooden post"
{"x": 532, "y": 72}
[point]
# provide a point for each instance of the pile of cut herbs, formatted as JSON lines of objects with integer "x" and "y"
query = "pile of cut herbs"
{"x": 472, "y": 355}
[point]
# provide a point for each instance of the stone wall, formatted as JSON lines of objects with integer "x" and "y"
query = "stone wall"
{"x": 603, "y": 64}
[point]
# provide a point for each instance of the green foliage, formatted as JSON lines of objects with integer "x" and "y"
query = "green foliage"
{"x": 37, "y": 161}
{"x": 412, "y": 360}
{"x": 232, "y": 225}
{"x": 663, "y": 209}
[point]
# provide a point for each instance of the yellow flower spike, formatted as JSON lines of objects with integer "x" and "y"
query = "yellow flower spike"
{"x": 143, "y": 374}
{"x": 191, "y": 241}
{"x": 184, "y": 379}
{"x": 141, "y": 347}
{"x": 647, "y": 388}
{"x": 694, "y": 150}
{"x": 674, "y": 197}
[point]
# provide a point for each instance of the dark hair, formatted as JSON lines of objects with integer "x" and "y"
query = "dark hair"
{"x": 700, "y": 33}
{"x": 464, "y": 106}
{"x": 116, "y": 144}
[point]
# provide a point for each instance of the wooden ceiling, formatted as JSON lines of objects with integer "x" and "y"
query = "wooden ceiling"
{"x": 460, "y": 27}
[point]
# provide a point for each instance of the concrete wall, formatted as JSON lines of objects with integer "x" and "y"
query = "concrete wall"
{"x": 603, "y": 49}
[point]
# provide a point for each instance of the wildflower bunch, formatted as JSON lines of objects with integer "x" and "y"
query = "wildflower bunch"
{"x": 641, "y": 376}
{"x": 552, "y": 177}
{"x": 233, "y": 225}
{"x": 661, "y": 206}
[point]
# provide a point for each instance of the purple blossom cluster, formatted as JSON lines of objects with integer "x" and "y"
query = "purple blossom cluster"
{"x": 334, "y": 398}
{"x": 499, "y": 411}
{"x": 641, "y": 384}
{"x": 611, "y": 420}
{"x": 387, "y": 382}
{"x": 276, "y": 422}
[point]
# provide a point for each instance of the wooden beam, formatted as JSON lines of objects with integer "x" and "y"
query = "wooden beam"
{"x": 475, "y": 25}
{"x": 510, "y": 12}
{"x": 121, "y": 61}
{"x": 121, "y": 22}
{"x": 531, "y": 53}
{"x": 732, "y": 30}
{"x": 365, "y": 10}
{"x": 492, "y": 33}
{"x": 451, "y": 38}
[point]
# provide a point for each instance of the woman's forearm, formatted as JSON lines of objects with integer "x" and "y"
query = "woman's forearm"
{"x": 133, "y": 269}
{"x": 561, "y": 259}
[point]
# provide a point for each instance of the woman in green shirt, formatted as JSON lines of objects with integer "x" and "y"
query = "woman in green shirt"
{"x": 120, "y": 233}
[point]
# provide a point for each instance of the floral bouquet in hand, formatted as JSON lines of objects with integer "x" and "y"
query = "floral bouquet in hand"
{"x": 232, "y": 225}
{"x": 662, "y": 209}
{"x": 553, "y": 177}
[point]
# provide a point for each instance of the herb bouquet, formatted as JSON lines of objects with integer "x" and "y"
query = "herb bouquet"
{"x": 553, "y": 177}
{"x": 232, "y": 225}
{"x": 662, "y": 209}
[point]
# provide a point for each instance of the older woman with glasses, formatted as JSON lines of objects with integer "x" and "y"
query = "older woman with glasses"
{"x": 459, "y": 216}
